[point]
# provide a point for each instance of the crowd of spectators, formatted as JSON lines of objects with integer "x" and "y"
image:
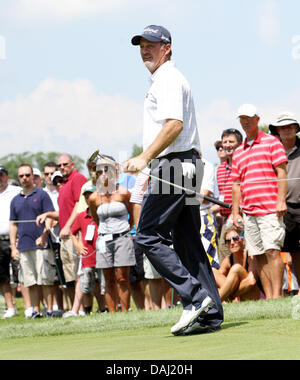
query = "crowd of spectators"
{"x": 68, "y": 242}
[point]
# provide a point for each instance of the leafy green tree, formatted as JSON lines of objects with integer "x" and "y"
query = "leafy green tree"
{"x": 36, "y": 160}
{"x": 264, "y": 128}
{"x": 136, "y": 150}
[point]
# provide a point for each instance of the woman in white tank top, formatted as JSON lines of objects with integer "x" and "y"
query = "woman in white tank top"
{"x": 112, "y": 211}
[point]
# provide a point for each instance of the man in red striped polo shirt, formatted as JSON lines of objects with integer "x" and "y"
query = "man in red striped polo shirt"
{"x": 231, "y": 140}
{"x": 259, "y": 189}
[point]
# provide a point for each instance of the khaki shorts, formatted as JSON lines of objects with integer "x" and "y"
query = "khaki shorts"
{"x": 37, "y": 267}
{"x": 69, "y": 260}
{"x": 88, "y": 279}
{"x": 150, "y": 272}
{"x": 263, "y": 233}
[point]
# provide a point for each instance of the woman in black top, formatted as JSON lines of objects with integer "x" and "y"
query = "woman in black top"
{"x": 237, "y": 277}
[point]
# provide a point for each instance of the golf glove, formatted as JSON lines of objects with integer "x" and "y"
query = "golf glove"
{"x": 188, "y": 170}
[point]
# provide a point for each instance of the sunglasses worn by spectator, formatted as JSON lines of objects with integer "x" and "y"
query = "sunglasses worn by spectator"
{"x": 219, "y": 148}
{"x": 102, "y": 171}
{"x": 234, "y": 238}
{"x": 48, "y": 173}
{"x": 24, "y": 175}
{"x": 63, "y": 165}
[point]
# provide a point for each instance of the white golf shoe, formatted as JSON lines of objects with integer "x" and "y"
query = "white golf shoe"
{"x": 189, "y": 317}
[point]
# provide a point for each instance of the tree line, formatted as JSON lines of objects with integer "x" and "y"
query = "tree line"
{"x": 38, "y": 160}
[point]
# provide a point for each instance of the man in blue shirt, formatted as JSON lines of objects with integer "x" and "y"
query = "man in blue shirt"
{"x": 29, "y": 242}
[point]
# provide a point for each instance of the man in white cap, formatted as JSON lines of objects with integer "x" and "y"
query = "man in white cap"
{"x": 170, "y": 134}
{"x": 37, "y": 177}
{"x": 259, "y": 174}
{"x": 286, "y": 127}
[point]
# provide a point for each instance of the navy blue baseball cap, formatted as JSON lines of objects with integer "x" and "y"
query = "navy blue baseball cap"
{"x": 153, "y": 33}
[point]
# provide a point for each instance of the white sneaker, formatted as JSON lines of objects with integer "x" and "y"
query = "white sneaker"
{"x": 69, "y": 314}
{"x": 188, "y": 317}
{"x": 10, "y": 313}
{"x": 28, "y": 313}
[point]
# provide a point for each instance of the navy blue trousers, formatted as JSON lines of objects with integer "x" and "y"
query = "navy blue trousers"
{"x": 166, "y": 220}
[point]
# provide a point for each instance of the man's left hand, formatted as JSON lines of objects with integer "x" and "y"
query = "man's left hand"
{"x": 135, "y": 165}
{"x": 281, "y": 209}
{"x": 41, "y": 242}
{"x": 65, "y": 232}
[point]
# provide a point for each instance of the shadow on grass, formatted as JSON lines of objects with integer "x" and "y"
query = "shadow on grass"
{"x": 225, "y": 326}
{"x": 230, "y": 325}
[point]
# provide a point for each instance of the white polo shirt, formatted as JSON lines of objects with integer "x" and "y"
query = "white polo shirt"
{"x": 5, "y": 200}
{"x": 53, "y": 194}
{"x": 170, "y": 97}
{"x": 208, "y": 182}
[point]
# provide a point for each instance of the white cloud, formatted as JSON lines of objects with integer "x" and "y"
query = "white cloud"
{"x": 75, "y": 117}
{"x": 269, "y": 22}
{"x": 212, "y": 120}
{"x": 69, "y": 116}
{"x": 55, "y": 10}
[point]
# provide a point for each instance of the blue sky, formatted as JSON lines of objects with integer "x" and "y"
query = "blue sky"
{"x": 71, "y": 81}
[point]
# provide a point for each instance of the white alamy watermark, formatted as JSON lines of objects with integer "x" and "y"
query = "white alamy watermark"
{"x": 296, "y": 47}
{"x": 2, "y": 48}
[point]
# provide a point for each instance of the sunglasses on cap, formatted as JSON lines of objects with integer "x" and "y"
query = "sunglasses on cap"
{"x": 231, "y": 130}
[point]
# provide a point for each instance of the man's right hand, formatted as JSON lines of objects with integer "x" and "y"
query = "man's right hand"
{"x": 238, "y": 221}
{"x": 65, "y": 232}
{"x": 40, "y": 220}
{"x": 15, "y": 254}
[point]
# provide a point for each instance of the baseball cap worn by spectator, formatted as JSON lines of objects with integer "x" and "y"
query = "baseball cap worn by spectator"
{"x": 37, "y": 172}
{"x": 104, "y": 162}
{"x": 153, "y": 33}
{"x": 3, "y": 170}
{"x": 284, "y": 119}
{"x": 89, "y": 189}
{"x": 56, "y": 174}
{"x": 247, "y": 110}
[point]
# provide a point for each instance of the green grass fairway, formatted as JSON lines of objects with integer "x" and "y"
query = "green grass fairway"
{"x": 252, "y": 330}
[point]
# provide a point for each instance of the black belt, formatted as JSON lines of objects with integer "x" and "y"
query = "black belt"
{"x": 4, "y": 237}
{"x": 115, "y": 236}
{"x": 294, "y": 205}
{"x": 176, "y": 154}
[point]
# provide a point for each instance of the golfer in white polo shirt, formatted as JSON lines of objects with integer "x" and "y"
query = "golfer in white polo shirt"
{"x": 170, "y": 136}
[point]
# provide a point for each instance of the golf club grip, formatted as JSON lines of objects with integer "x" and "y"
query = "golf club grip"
{"x": 217, "y": 202}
